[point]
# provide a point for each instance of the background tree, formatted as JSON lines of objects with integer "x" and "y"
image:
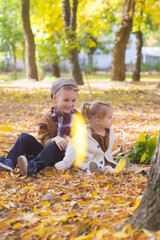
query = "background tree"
{"x": 145, "y": 23}
{"x": 31, "y": 68}
{"x": 69, "y": 18}
{"x": 48, "y": 29}
{"x": 137, "y": 59}
{"x": 11, "y": 30}
{"x": 147, "y": 215}
{"x": 139, "y": 39}
{"x": 98, "y": 17}
{"x": 121, "y": 40}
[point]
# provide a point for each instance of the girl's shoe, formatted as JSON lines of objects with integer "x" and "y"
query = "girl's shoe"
{"x": 93, "y": 167}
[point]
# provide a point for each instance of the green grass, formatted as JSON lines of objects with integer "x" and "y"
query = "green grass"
{"x": 6, "y": 77}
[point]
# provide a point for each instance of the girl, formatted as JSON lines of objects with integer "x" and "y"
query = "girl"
{"x": 99, "y": 118}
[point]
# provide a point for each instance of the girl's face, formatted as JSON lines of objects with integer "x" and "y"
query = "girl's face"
{"x": 107, "y": 120}
{"x": 65, "y": 100}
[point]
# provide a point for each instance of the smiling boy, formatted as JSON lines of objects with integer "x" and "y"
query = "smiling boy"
{"x": 33, "y": 156}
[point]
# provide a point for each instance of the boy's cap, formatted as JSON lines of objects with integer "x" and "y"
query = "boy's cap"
{"x": 63, "y": 81}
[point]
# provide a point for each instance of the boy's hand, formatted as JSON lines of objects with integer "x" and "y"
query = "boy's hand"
{"x": 61, "y": 142}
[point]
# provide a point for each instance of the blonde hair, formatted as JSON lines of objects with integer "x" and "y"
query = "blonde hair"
{"x": 91, "y": 111}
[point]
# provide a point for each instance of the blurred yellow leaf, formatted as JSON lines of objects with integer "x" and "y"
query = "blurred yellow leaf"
{"x": 46, "y": 204}
{"x": 121, "y": 165}
{"x": 79, "y": 142}
{"x": 64, "y": 197}
{"x": 141, "y": 138}
{"x": 100, "y": 233}
{"x": 138, "y": 200}
{"x": 18, "y": 225}
{"x": 3, "y": 225}
{"x": 121, "y": 235}
{"x": 28, "y": 187}
{"x": 6, "y": 128}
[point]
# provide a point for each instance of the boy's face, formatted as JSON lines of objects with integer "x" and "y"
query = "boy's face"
{"x": 65, "y": 100}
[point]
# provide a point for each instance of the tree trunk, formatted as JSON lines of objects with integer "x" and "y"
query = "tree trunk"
{"x": 121, "y": 40}
{"x": 147, "y": 215}
{"x": 31, "y": 68}
{"x": 55, "y": 70}
{"x": 14, "y": 60}
{"x": 137, "y": 63}
{"x": 91, "y": 52}
{"x": 69, "y": 19}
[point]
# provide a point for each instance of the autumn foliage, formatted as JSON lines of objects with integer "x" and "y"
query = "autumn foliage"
{"x": 71, "y": 204}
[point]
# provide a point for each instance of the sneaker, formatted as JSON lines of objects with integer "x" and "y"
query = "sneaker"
{"x": 26, "y": 168}
{"x": 93, "y": 167}
{"x": 6, "y": 164}
{"x": 22, "y": 164}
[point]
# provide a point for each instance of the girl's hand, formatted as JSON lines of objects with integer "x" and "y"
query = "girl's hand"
{"x": 61, "y": 142}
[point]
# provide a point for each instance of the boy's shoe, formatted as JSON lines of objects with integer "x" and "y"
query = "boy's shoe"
{"x": 93, "y": 167}
{"x": 26, "y": 168}
{"x": 6, "y": 164}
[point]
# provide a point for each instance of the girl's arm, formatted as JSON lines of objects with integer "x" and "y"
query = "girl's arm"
{"x": 67, "y": 160}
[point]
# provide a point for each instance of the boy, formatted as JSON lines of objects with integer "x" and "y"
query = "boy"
{"x": 33, "y": 156}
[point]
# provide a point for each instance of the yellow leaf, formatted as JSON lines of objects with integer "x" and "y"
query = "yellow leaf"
{"x": 121, "y": 234}
{"x": 28, "y": 187}
{"x": 6, "y": 128}
{"x": 157, "y": 133}
{"x": 28, "y": 217}
{"x": 62, "y": 218}
{"x": 35, "y": 209}
{"x": 64, "y": 197}
{"x": 17, "y": 225}
{"x": 79, "y": 132}
{"x": 100, "y": 233}
{"x": 67, "y": 175}
{"x": 46, "y": 204}
{"x": 141, "y": 138}
{"x": 121, "y": 165}
{"x": 44, "y": 213}
{"x": 3, "y": 225}
{"x": 138, "y": 200}
{"x": 2, "y": 204}
{"x": 94, "y": 194}
{"x": 143, "y": 157}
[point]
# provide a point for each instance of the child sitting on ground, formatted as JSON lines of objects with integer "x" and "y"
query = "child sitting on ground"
{"x": 33, "y": 156}
{"x": 99, "y": 117}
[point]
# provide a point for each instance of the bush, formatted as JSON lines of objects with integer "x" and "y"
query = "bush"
{"x": 143, "y": 149}
{"x": 145, "y": 67}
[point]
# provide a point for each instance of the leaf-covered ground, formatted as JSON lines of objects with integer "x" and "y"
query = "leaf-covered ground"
{"x": 72, "y": 205}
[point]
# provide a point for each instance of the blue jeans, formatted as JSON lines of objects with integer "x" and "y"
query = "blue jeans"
{"x": 27, "y": 145}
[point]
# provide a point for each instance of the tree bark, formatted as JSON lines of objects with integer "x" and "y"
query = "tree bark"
{"x": 147, "y": 215}
{"x": 31, "y": 68}
{"x": 137, "y": 62}
{"x": 14, "y": 60}
{"x": 121, "y": 40}
{"x": 69, "y": 19}
{"x": 55, "y": 70}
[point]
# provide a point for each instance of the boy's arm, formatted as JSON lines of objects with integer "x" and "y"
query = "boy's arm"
{"x": 46, "y": 130}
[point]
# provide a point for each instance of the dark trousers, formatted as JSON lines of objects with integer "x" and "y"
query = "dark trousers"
{"x": 27, "y": 145}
